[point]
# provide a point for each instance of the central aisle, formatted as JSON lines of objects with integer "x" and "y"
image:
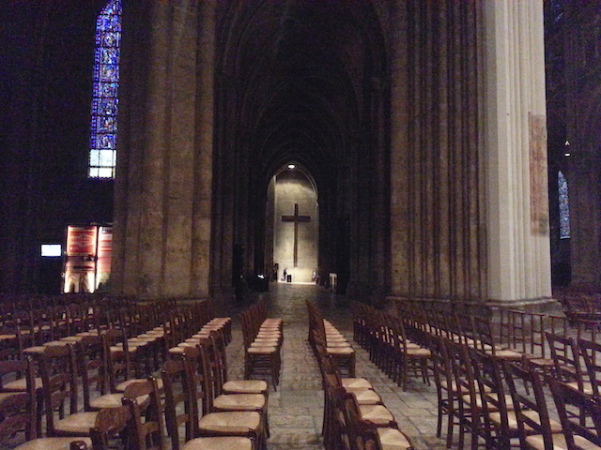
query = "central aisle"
{"x": 296, "y": 408}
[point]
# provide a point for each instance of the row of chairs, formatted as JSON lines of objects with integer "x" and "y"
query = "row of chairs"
{"x": 90, "y": 361}
{"x": 572, "y": 355}
{"x": 581, "y": 304}
{"x": 337, "y": 347}
{"x": 355, "y": 417}
{"x": 29, "y": 327}
{"x": 232, "y": 407}
{"x": 470, "y": 364}
{"x": 263, "y": 338}
{"x": 503, "y": 403}
{"x": 386, "y": 340}
{"x": 236, "y": 409}
{"x": 576, "y": 362}
{"x": 17, "y": 414}
{"x": 142, "y": 423}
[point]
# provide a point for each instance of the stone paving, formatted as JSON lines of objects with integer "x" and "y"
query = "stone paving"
{"x": 296, "y": 408}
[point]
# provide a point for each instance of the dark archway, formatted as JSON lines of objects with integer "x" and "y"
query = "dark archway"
{"x": 302, "y": 81}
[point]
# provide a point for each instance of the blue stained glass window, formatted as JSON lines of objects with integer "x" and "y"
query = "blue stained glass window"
{"x": 564, "y": 206}
{"x": 103, "y": 134}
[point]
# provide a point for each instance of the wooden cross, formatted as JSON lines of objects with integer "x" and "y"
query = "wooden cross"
{"x": 296, "y": 219}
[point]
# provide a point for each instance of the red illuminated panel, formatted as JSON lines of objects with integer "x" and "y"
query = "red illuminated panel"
{"x": 105, "y": 250}
{"x": 81, "y": 241}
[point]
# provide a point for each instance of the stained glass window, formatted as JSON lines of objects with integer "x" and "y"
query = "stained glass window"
{"x": 103, "y": 130}
{"x": 564, "y": 207}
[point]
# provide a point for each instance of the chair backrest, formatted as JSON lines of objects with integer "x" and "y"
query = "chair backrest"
{"x": 526, "y": 389}
{"x": 216, "y": 353}
{"x": 492, "y": 391}
{"x": 58, "y": 373}
{"x": 90, "y": 356}
{"x": 205, "y": 376}
{"x": 117, "y": 363}
{"x": 110, "y": 423}
{"x": 580, "y": 414}
{"x": 147, "y": 416}
{"x": 358, "y": 434}
{"x": 463, "y": 372}
{"x": 199, "y": 387}
{"x": 18, "y": 411}
{"x": 441, "y": 364}
{"x": 566, "y": 359}
{"x": 180, "y": 404}
{"x": 591, "y": 354}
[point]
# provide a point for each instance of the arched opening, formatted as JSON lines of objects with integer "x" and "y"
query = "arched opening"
{"x": 293, "y": 225}
{"x": 309, "y": 88}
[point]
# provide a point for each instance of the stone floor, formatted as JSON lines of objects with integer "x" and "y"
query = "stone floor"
{"x": 296, "y": 408}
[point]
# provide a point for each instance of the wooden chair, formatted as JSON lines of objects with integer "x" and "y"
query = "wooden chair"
{"x": 332, "y": 381}
{"x": 468, "y": 412}
{"x": 176, "y": 378}
{"x": 146, "y": 431}
{"x": 18, "y": 414}
{"x": 365, "y": 435}
{"x": 499, "y": 419}
{"x": 486, "y": 341}
{"x": 90, "y": 356}
{"x": 411, "y": 357}
{"x": 335, "y": 430}
{"x": 244, "y": 424}
{"x": 260, "y": 358}
{"x": 218, "y": 338}
{"x": 217, "y": 400}
{"x": 535, "y": 428}
{"x": 13, "y": 408}
{"x": 447, "y": 393}
{"x": 59, "y": 386}
{"x": 176, "y": 391}
{"x": 111, "y": 423}
{"x": 572, "y": 406}
{"x": 342, "y": 352}
{"x": 567, "y": 366}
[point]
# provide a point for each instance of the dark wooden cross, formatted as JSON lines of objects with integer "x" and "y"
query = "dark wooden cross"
{"x": 296, "y": 219}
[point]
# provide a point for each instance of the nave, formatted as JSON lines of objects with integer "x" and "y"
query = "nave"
{"x": 296, "y": 408}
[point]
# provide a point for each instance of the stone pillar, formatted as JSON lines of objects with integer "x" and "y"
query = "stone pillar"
{"x": 514, "y": 152}
{"x": 436, "y": 185}
{"x": 201, "y": 232}
{"x": 162, "y": 225}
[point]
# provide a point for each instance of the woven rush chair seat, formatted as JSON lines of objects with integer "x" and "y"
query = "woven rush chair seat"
{"x": 393, "y": 438}
{"x": 219, "y": 443}
{"x": 537, "y": 442}
{"x": 57, "y": 443}
{"x": 249, "y": 402}
{"x": 231, "y": 422}
{"x": 376, "y": 414}
{"x": 245, "y": 387}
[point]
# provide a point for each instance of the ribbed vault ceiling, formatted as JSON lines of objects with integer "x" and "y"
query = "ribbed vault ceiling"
{"x": 301, "y": 68}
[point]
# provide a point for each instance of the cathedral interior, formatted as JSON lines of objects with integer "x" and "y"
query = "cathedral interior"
{"x": 341, "y": 137}
{"x": 418, "y": 181}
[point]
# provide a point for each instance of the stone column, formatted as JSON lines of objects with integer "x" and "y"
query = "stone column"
{"x": 513, "y": 127}
{"x": 162, "y": 225}
{"x": 435, "y": 182}
{"x": 203, "y": 166}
